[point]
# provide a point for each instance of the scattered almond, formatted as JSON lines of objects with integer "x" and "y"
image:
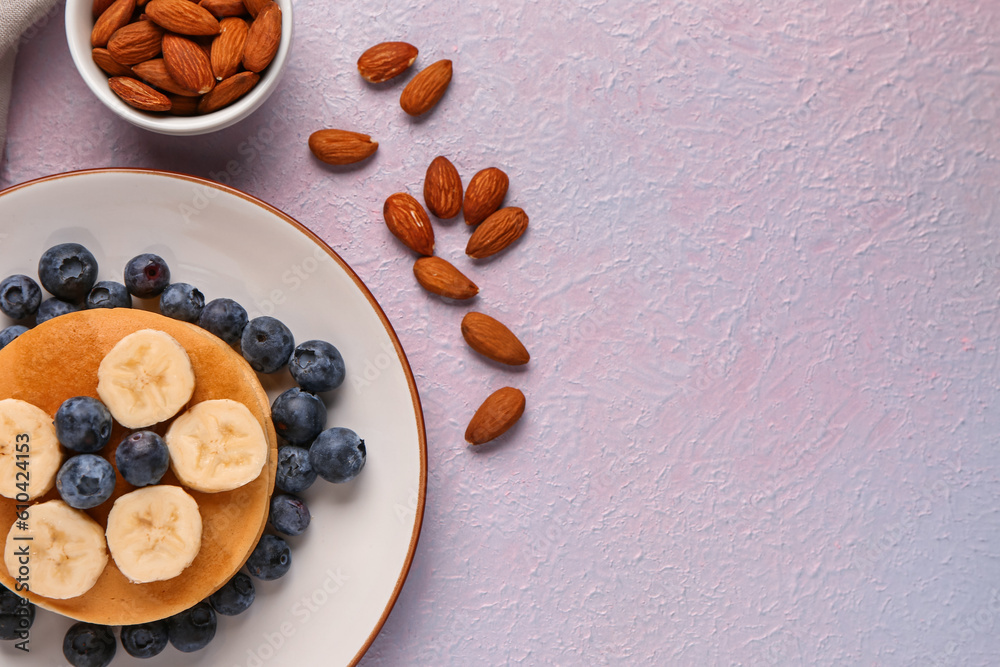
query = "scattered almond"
{"x": 386, "y": 60}
{"x": 188, "y": 63}
{"x": 154, "y": 72}
{"x": 137, "y": 94}
{"x": 109, "y": 64}
{"x": 136, "y": 42}
{"x": 220, "y": 9}
{"x": 341, "y": 146}
{"x": 183, "y": 17}
{"x": 228, "y": 91}
{"x": 443, "y": 188}
{"x": 484, "y": 195}
{"x": 408, "y": 222}
{"x": 497, "y": 232}
{"x": 493, "y": 340}
{"x": 439, "y": 276}
{"x": 111, "y": 19}
{"x": 227, "y": 49}
{"x": 263, "y": 38}
{"x": 495, "y": 416}
{"x": 426, "y": 88}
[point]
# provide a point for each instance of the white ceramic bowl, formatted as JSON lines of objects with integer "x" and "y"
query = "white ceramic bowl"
{"x": 80, "y": 22}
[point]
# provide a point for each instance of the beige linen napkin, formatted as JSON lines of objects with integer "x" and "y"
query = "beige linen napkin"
{"x": 16, "y": 16}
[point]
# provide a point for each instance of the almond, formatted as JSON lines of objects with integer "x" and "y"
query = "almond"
{"x": 109, "y": 64}
{"x": 135, "y": 43}
{"x": 386, "y": 60}
{"x": 223, "y": 8}
{"x": 227, "y": 48}
{"x": 495, "y": 416}
{"x": 443, "y": 188}
{"x": 493, "y": 340}
{"x": 228, "y": 91}
{"x": 484, "y": 195}
{"x": 111, "y": 19}
{"x": 183, "y": 17}
{"x": 183, "y": 105}
{"x": 426, "y": 88}
{"x": 263, "y": 38}
{"x": 254, "y": 6}
{"x": 139, "y": 95}
{"x": 497, "y": 232}
{"x": 188, "y": 63}
{"x": 98, "y": 7}
{"x": 408, "y": 222}
{"x": 341, "y": 146}
{"x": 154, "y": 72}
{"x": 439, "y": 276}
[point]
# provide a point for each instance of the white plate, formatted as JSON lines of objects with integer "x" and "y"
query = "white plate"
{"x": 349, "y": 566}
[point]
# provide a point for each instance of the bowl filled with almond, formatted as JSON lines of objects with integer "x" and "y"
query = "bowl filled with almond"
{"x": 180, "y": 67}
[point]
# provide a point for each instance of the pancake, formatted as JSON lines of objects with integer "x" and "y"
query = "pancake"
{"x": 58, "y": 360}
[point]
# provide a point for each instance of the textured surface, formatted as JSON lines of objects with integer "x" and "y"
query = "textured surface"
{"x": 760, "y": 289}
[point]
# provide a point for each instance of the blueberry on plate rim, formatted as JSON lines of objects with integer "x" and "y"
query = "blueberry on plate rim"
{"x": 16, "y": 615}
{"x": 270, "y": 559}
{"x": 289, "y": 514}
{"x": 146, "y": 275}
{"x": 181, "y": 301}
{"x": 54, "y": 307}
{"x": 68, "y": 271}
{"x": 235, "y": 597}
{"x": 295, "y": 473}
{"x": 338, "y": 454}
{"x": 109, "y": 294}
{"x": 266, "y": 344}
{"x": 316, "y": 366}
{"x": 298, "y": 416}
{"x": 20, "y": 296}
{"x": 10, "y": 333}
{"x": 225, "y": 318}
{"x": 89, "y": 645}
{"x": 145, "y": 640}
{"x": 192, "y": 629}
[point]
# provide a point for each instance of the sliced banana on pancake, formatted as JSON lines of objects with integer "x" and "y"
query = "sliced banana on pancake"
{"x": 216, "y": 445}
{"x": 154, "y": 533}
{"x": 29, "y": 450}
{"x": 66, "y": 552}
{"x": 145, "y": 379}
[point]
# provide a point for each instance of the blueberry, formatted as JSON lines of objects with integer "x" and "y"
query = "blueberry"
{"x": 317, "y": 366}
{"x": 68, "y": 271}
{"x": 266, "y": 344}
{"x": 89, "y": 645}
{"x": 182, "y": 302}
{"x": 235, "y": 597}
{"x": 10, "y": 333}
{"x": 146, "y": 275}
{"x": 83, "y": 424}
{"x": 270, "y": 559}
{"x": 16, "y": 615}
{"x": 142, "y": 458}
{"x": 85, "y": 481}
{"x": 54, "y": 308}
{"x": 298, "y": 416}
{"x": 337, "y": 454}
{"x": 145, "y": 640}
{"x": 192, "y": 629}
{"x": 295, "y": 473}
{"x": 109, "y": 294}
{"x": 289, "y": 515}
{"x": 20, "y": 296}
{"x": 225, "y": 318}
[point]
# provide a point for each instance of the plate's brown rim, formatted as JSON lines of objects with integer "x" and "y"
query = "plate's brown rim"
{"x": 417, "y": 408}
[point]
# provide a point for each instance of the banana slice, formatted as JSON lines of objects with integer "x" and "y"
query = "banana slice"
{"x": 217, "y": 445}
{"x": 29, "y": 450}
{"x": 146, "y": 378}
{"x": 65, "y": 548}
{"x": 154, "y": 533}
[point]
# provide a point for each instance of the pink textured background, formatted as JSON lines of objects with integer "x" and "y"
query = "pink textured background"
{"x": 760, "y": 288}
